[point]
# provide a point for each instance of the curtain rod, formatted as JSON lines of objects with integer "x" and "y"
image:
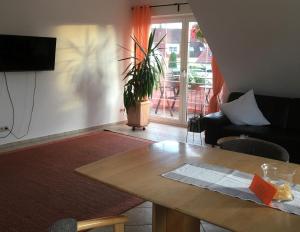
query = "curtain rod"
{"x": 171, "y": 4}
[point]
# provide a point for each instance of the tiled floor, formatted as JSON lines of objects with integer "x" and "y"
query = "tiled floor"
{"x": 140, "y": 217}
{"x": 159, "y": 132}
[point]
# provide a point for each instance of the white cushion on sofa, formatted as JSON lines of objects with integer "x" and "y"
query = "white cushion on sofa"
{"x": 244, "y": 111}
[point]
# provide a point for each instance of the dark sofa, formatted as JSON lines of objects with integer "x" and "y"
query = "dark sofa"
{"x": 282, "y": 113}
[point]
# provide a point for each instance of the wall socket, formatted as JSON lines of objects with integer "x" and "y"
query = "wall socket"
{"x": 3, "y": 128}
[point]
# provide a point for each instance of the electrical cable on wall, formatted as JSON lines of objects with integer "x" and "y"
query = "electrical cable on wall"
{"x": 1, "y": 86}
{"x": 12, "y": 106}
{"x": 31, "y": 112}
{"x": 13, "y": 109}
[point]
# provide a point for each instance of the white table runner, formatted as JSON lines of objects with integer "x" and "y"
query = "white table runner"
{"x": 230, "y": 182}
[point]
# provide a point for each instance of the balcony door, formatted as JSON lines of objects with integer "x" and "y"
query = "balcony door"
{"x": 185, "y": 89}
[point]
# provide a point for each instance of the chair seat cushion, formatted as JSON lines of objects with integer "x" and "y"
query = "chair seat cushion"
{"x": 289, "y": 139}
{"x": 256, "y": 147}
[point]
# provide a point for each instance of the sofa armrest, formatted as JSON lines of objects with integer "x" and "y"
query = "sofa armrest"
{"x": 218, "y": 119}
{"x": 213, "y": 124}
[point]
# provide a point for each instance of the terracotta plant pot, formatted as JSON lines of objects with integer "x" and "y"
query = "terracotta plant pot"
{"x": 138, "y": 116}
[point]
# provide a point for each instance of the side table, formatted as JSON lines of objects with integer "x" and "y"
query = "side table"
{"x": 195, "y": 125}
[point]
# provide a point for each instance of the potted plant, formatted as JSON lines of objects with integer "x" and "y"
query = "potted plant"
{"x": 142, "y": 76}
{"x": 197, "y": 33}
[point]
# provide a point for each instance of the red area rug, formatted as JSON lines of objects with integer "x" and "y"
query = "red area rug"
{"x": 38, "y": 185}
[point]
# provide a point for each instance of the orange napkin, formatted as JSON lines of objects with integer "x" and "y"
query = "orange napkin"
{"x": 262, "y": 189}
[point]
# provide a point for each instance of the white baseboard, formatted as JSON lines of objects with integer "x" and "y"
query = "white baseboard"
{"x": 53, "y": 137}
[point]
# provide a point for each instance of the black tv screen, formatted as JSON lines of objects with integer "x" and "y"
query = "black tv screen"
{"x": 26, "y": 53}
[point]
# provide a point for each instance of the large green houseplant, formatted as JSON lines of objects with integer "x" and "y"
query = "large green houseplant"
{"x": 142, "y": 75}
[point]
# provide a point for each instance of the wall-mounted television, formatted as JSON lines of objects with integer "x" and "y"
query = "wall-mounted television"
{"x": 26, "y": 53}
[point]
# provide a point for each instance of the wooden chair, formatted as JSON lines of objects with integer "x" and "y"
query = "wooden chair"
{"x": 256, "y": 147}
{"x": 71, "y": 225}
{"x": 169, "y": 90}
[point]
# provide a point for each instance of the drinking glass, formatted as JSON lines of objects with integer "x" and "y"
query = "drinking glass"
{"x": 281, "y": 177}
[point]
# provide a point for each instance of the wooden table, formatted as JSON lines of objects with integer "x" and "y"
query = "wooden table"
{"x": 179, "y": 206}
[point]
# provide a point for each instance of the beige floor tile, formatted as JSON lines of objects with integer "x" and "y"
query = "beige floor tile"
{"x": 139, "y": 216}
{"x": 146, "y": 204}
{"x": 142, "y": 228}
{"x": 159, "y": 132}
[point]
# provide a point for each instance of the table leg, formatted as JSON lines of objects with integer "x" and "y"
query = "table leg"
{"x": 169, "y": 220}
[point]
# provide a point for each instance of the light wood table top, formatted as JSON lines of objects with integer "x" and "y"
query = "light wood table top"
{"x": 138, "y": 172}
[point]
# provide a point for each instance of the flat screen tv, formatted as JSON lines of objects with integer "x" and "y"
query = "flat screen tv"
{"x": 26, "y": 53}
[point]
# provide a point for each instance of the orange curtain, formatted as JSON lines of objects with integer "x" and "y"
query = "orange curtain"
{"x": 141, "y": 20}
{"x": 218, "y": 82}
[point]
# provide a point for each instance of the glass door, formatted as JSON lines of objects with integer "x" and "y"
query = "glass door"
{"x": 199, "y": 73}
{"x": 166, "y": 99}
{"x": 185, "y": 89}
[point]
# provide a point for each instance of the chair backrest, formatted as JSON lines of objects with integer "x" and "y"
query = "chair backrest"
{"x": 71, "y": 225}
{"x": 256, "y": 147}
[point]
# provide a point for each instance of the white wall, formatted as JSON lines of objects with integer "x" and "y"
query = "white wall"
{"x": 86, "y": 87}
{"x": 255, "y": 42}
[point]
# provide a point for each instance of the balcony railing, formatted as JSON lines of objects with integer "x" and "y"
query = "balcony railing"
{"x": 166, "y": 100}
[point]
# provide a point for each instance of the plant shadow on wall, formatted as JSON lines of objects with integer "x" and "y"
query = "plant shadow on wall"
{"x": 91, "y": 72}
